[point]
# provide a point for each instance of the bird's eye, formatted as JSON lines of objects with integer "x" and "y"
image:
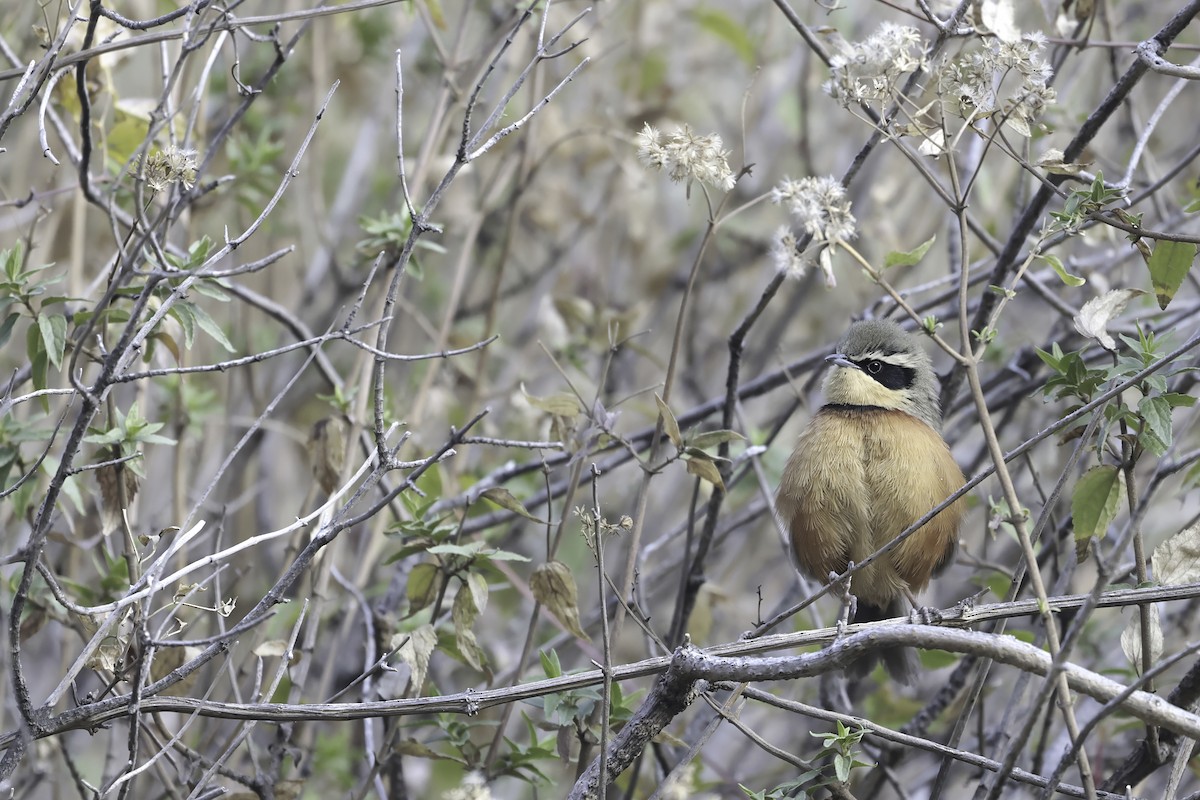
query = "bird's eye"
{"x": 873, "y": 367}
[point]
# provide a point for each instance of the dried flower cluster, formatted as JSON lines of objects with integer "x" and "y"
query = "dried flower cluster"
{"x": 820, "y": 206}
{"x": 975, "y": 85}
{"x": 473, "y": 787}
{"x": 172, "y": 165}
{"x": 867, "y": 72}
{"x": 685, "y": 156}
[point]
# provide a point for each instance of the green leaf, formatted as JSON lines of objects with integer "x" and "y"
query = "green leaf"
{"x": 469, "y": 649}
{"x": 423, "y": 584}
{"x": 210, "y": 326}
{"x": 55, "y": 299}
{"x": 476, "y": 584}
{"x": 416, "y": 749}
{"x": 129, "y": 130}
{"x": 70, "y": 488}
{"x": 898, "y": 258}
{"x": 504, "y": 498}
{"x": 728, "y": 30}
{"x": 670, "y": 424}
{"x": 1095, "y": 501}
{"x": 560, "y": 404}
{"x": 212, "y": 288}
{"x": 1156, "y": 430}
{"x": 464, "y": 611}
{"x": 503, "y": 555}
{"x": 198, "y": 253}
{"x": 112, "y": 436}
{"x": 1056, "y": 264}
{"x": 695, "y": 452}
{"x": 474, "y": 550}
{"x": 35, "y": 349}
{"x": 705, "y": 470}
{"x": 430, "y": 483}
{"x": 154, "y": 438}
{"x": 1169, "y": 265}
{"x": 1053, "y": 359}
{"x": 169, "y": 342}
{"x": 12, "y": 260}
{"x": 715, "y": 438}
{"x": 1177, "y": 400}
{"x": 54, "y": 336}
{"x": 6, "y": 327}
{"x": 463, "y": 550}
{"x": 550, "y": 663}
{"x": 184, "y": 314}
{"x": 21, "y": 500}
{"x": 841, "y": 767}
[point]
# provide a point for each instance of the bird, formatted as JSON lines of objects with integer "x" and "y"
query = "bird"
{"x": 870, "y": 463}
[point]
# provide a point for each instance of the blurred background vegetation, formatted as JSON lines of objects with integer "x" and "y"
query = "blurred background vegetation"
{"x": 577, "y": 257}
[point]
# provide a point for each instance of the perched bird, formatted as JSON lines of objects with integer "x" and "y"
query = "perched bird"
{"x": 870, "y": 463}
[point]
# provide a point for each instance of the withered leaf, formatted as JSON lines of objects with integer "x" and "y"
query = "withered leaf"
{"x": 553, "y": 586}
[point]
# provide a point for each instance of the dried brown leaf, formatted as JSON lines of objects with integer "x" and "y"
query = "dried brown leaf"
{"x": 553, "y": 586}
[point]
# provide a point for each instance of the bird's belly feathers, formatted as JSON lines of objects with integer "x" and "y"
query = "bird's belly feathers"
{"x": 858, "y": 477}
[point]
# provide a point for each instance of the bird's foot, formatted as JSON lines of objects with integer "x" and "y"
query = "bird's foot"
{"x": 922, "y": 615}
{"x": 849, "y": 609}
{"x": 841, "y": 588}
{"x": 925, "y": 615}
{"x": 837, "y": 584}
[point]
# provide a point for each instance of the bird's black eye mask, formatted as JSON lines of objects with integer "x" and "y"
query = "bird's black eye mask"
{"x": 893, "y": 376}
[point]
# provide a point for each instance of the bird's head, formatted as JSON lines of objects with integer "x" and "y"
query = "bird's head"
{"x": 878, "y": 363}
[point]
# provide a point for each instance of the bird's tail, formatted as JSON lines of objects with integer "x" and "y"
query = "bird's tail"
{"x": 900, "y": 662}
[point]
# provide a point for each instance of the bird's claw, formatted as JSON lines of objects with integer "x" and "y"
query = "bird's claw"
{"x": 925, "y": 615}
{"x": 837, "y": 584}
{"x": 841, "y": 588}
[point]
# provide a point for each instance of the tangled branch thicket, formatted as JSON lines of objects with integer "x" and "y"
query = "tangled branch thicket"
{"x": 394, "y": 395}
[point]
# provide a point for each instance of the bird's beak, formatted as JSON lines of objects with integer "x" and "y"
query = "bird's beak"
{"x": 839, "y": 360}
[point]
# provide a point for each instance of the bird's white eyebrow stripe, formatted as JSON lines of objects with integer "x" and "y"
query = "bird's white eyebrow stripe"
{"x": 899, "y": 359}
